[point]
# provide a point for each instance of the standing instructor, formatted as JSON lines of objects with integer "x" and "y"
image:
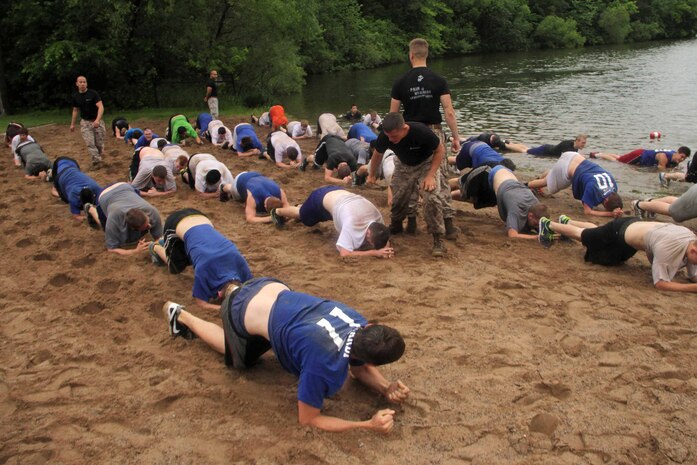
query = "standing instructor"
{"x": 88, "y": 103}
{"x": 212, "y": 94}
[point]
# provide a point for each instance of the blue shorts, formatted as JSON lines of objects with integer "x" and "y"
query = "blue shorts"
{"x": 493, "y": 172}
{"x": 542, "y": 151}
{"x": 241, "y": 348}
{"x": 312, "y": 211}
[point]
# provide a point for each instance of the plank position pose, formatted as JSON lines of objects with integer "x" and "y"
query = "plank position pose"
{"x": 644, "y": 157}
{"x": 669, "y": 247}
{"x": 569, "y": 145}
{"x": 358, "y": 222}
{"x": 320, "y": 341}
{"x": 681, "y": 208}
{"x": 73, "y": 186}
{"x": 190, "y": 239}
{"x": 590, "y": 184}
{"x": 259, "y": 194}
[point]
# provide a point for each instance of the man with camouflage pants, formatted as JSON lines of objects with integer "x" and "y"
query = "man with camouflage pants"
{"x": 88, "y": 103}
{"x": 420, "y": 153}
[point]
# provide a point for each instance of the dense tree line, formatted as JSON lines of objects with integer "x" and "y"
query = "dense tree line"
{"x": 265, "y": 47}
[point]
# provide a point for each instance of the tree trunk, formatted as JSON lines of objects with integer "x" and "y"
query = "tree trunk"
{"x": 4, "y": 104}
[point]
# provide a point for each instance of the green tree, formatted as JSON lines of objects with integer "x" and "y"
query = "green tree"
{"x": 556, "y": 32}
{"x": 614, "y": 23}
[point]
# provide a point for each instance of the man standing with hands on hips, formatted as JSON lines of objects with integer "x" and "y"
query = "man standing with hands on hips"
{"x": 89, "y": 105}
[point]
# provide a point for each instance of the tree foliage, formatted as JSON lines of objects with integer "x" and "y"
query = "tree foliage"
{"x": 134, "y": 51}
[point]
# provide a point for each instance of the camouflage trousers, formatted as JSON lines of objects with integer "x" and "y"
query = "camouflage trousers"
{"x": 213, "y": 106}
{"x": 405, "y": 182}
{"x": 94, "y": 138}
{"x": 448, "y": 210}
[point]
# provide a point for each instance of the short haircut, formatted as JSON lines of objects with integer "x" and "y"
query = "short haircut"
{"x": 581, "y": 136}
{"x": 292, "y": 153}
{"x": 147, "y": 129}
{"x": 212, "y": 177}
{"x": 86, "y": 196}
{"x": 379, "y": 234}
{"x": 343, "y": 170}
{"x": 392, "y": 121}
{"x": 136, "y": 218}
{"x": 137, "y": 134}
{"x": 159, "y": 171}
{"x": 182, "y": 160}
{"x": 272, "y": 202}
{"x": 221, "y": 131}
{"x": 377, "y": 345}
{"x": 246, "y": 144}
{"x": 538, "y": 210}
{"x": 161, "y": 143}
{"x": 612, "y": 201}
{"x": 304, "y": 122}
{"x": 181, "y": 130}
{"x": 685, "y": 150}
{"x": 419, "y": 48}
{"x": 508, "y": 163}
{"x": 23, "y": 131}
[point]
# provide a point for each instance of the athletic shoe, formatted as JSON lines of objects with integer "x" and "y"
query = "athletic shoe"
{"x": 176, "y": 329}
{"x": 49, "y": 175}
{"x": 545, "y": 234}
{"x": 154, "y": 258}
{"x": 222, "y": 195}
{"x": 593, "y": 154}
{"x": 90, "y": 220}
{"x": 303, "y": 165}
{"x": 662, "y": 179}
{"x": 226, "y": 145}
{"x": 649, "y": 215}
{"x": 277, "y": 219}
{"x": 564, "y": 219}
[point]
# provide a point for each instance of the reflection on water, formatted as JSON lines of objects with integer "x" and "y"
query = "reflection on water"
{"x": 617, "y": 95}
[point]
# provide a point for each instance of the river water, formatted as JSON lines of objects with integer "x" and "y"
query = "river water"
{"x": 617, "y": 95}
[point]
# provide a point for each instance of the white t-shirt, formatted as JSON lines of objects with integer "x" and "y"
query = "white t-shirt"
{"x": 352, "y": 215}
{"x": 282, "y": 142}
{"x": 202, "y": 169}
{"x": 153, "y": 143}
{"x": 295, "y": 129}
{"x": 15, "y": 143}
{"x": 328, "y": 125}
{"x": 665, "y": 247}
{"x": 368, "y": 120}
{"x": 216, "y": 138}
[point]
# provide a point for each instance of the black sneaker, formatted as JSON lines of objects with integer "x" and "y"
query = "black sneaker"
{"x": 222, "y": 195}
{"x": 303, "y": 165}
{"x": 226, "y": 145}
{"x": 90, "y": 220}
{"x": 277, "y": 219}
{"x": 176, "y": 329}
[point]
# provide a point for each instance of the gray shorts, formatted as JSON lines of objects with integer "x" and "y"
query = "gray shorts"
{"x": 685, "y": 207}
{"x": 558, "y": 177}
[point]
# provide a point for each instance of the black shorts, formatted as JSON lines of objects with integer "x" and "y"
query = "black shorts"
{"x": 605, "y": 244}
{"x": 242, "y": 350}
{"x": 175, "y": 249}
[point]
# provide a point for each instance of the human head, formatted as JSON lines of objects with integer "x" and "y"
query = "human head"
{"x": 680, "y": 155}
{"x": 495, "y": 140}
{"x": 508, "y": 163}
{"x": 214, "y": 74}
{"x": 691, "y": 252}
{"x": 377, "y": 345}
{"x": 137, "y": 220}
{"x": 354, "y": 108}
{"x": 159, "y": 173}
{"x": 181, "y": 130}
{"x": 612, "y": 201}
{"x": 304, "y": 124}
{"x": 86, "y": 196}
{"x": 272, "y": 202}
{"x": 376, "y": 236}
{"x": 221, "y": 131}
{"x": 373, "y": 115}
{"x": 81, "y": 84}
{"x": 536, "y": 212}
{"x": 418, "y": 49}
{"x": 147, "y": 132}
{"x": 292, "y": 153}
{"x": 122, "y": 131}
{"x": 580, "y": 141}
{"x": 161, "y": 143}
{"x": 212, "y": 177}
{"x": 246, "y": 143}
{"x": 23, "y": 134}
{"x": 343, "y": 170}
{"x": 181, "y": 162}
{"x": 394, "y": 127}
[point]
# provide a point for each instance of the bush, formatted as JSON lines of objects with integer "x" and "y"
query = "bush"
{"x": 555, "y": 32}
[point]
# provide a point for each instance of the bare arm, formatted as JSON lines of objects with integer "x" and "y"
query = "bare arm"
{"x": 588, "y": 211}
{"x": 395, "y": 392}
{"x": 100, "y": 113}
{"x": 429, "y": 182}
{"x": 250, "y": 211}
{"x": 385, "y": 252}
{"x": 152, "y": 192}
{"x": 203, "y": 304}
{"x": 382, "y": 421}
{"x": 513, "y": 234}
{"x": 329, "y": 178}
{"x": 676, "y": 287}
{"x": 394, "y": 105}
{"x": 141, "y": 247}
{"x": 249, "y": 153}
{"x": 447, "y": 103}
{"x": 76, "y": 111}
{"x": 662, "y": 160}
{"x": 375, "y": 160}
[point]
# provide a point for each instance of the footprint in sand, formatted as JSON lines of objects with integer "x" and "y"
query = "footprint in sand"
{"x": 26, "y": 242}
{"x": 51, "y": 231}
{"x": 42, "y": 257}
{"x": 90, "y": 308}
{"x": 559, "y": 390}
{"x": 60, "y": 280}
{"x": 108, "y": 286}
{"x": 544, "y": 423}
{"x": 83, "y": 262}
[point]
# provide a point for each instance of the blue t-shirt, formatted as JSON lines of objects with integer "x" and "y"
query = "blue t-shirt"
{"x": 246, "y": 130}
{"x": 143, "y": 142}
{"x": 591, "y": 183}
{"x": 474, "y": 154}
{"x": 203, "y": 120}
{"x": 260, "y": 186}
{"x": 359, "y": 130}
{"x": 71, "y": 181}
{"x": 216, "y": 261}
{"x": 648, "y": 158}
{"x": 312, "y": 339}
{"x": 130, "y": 134}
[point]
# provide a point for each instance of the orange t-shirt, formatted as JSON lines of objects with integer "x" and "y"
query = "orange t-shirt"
{"x": 278, "y": 116}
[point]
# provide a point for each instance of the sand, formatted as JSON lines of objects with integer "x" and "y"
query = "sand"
{"x": 515, "y": 354}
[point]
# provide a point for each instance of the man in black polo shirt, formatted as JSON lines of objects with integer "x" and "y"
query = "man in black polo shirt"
{"x": 422, "y": 92}
{"x": 419, "y": 152}
{"x": 88, "y": 103}
{"x": 212, "y": 94}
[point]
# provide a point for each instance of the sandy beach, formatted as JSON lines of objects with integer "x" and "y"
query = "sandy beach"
{"x": 516, "y": 354}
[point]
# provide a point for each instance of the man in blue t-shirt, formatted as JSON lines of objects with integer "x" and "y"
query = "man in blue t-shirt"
{"x": 259, "y": 194}
{"x": 320, "y": 341}
{"x": 647, "y": 157}
{"x": 590, "y": 184}
{"x": 245, "y": 141}
{"x": 146, "y": 138}
{"x": 217, "y": 262}
{"x": 474, "y": 154}
{"x": 73, "y": 186}
{"x": 362, "y": 132}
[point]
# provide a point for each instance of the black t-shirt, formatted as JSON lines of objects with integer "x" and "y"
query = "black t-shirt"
{"x": 214, "y": 86}
{"x": 333, "y": 151}
{"x": 563, "y": 146}
{"x": 87, "y": 103}
{"x": 415, "y": 148}
{"x": 419, "y": 90}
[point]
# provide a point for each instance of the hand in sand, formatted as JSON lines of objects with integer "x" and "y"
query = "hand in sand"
{"x": 385, "y": 252}
{"x": 397, "y": 392}
{"x": 142, "y": 245}
{"x": 383, "y": 421}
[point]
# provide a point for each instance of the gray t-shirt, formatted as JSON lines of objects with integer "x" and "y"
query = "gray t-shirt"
{"x": 115, "y": 204}
{"x": 665, "y": 247}
{"x": 143, "y": 180}
{"x": 514, "y": 200}
{"x": 360, "y": 150}
{"x": 32, "y": 157}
